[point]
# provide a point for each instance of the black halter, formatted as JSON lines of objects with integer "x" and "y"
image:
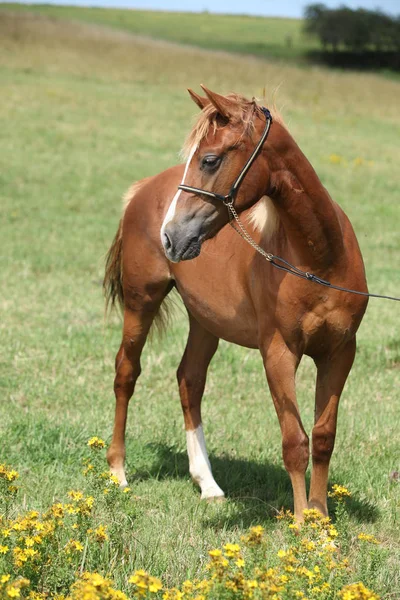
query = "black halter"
{"x": 229, "y": 199}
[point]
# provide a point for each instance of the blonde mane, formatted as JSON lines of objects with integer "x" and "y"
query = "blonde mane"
{"x": 210, "y": 118}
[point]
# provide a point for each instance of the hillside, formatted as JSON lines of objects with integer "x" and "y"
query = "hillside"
{"x": 260, "y": 36}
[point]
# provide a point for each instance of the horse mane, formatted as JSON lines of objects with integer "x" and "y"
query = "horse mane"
{"x": 263, "y": 216}
{"x": 210, "y": 118}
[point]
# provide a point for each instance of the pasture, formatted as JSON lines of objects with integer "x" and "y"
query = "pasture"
{"x": 274, "y": 37}
{"x": 86, "y": 110}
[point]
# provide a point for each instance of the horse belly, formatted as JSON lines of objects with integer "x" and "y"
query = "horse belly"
{"x": 218, "y": 301}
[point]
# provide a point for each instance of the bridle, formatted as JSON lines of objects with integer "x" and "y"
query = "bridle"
{"x": 229, "y": 199}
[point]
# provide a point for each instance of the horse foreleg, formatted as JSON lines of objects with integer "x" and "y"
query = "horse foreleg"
{"x": 192, "y": 371}
{"x": 332, "y": 372}
{"x": 280, "y": 366}
{"x": 136, "y": 327}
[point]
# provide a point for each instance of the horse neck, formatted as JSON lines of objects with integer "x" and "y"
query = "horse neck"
{"x": 308, "y": 214}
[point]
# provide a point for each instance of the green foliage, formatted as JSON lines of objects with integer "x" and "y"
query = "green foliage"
{"x": 85, "y": 111}
{"x": 355, "y": 30}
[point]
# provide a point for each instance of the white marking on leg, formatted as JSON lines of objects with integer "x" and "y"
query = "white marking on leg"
{"x": 199, "y": 465}
{"x": 120, "y": 474}
{"x": 171, "y": 210}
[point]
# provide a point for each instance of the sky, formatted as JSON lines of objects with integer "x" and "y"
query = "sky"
{"x": 272, "y": 8}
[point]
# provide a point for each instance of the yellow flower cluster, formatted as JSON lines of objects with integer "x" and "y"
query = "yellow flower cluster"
{"x": 144, "y": 583}
{"x": 308, "y": 563}
{"x": 7, "y": 479}
{"x": 357, "y": 591}
{"x": 254, "y": 537}
{"x": 365, "y": 537}
{"x": 96, "y": 443}
{"x": 8, "y": 474}
{"x": 92, "y": 586}
{"x": 12, "y": 589}
{"x": 337, "y": 159}
{"x": 339, "y": 492}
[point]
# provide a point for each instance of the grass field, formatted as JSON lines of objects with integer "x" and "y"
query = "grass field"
{"x": 85, "y": 110}
{"x": 267, "y": 37}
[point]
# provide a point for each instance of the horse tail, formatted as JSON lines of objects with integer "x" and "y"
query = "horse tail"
{"x": 113, "y": 277}
{"x": 112, "y": 283}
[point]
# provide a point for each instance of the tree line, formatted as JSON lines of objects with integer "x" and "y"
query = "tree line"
{"x": 355, "y": 30}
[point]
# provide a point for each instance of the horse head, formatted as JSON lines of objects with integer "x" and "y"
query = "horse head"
{"x": 226, "y": 140}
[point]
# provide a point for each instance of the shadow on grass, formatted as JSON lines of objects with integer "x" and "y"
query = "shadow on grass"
{"x": 256, "y": 491}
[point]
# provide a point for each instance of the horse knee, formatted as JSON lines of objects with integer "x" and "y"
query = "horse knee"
{"x": 127, "y": 372}
{"x": 296, "y": 452}
{"x": 323, "y": 441}
{"x": 190, "y": 379}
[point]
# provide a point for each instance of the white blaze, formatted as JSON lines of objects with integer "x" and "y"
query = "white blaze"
{"x": 171, "y": 210}
{"x": 199, "y": 465}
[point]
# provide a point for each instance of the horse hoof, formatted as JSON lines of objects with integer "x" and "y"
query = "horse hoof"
{"x": 215, "y": 499}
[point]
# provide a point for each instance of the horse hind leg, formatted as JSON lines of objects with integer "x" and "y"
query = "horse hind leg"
{"x": 200, "y": 348}
{"x": 280, "y": 366}
{"x": 332, "y": 372}
{"x": 137, "y": 323}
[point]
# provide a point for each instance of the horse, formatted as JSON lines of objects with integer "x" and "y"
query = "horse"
{"x": 181, "y": 238}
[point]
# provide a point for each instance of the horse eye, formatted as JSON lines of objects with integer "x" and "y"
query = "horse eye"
{"x": 210, "y": 162}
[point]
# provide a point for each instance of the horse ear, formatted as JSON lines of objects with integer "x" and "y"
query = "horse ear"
{"x": 199, "y": 100}
{"x": 225, "y": 106}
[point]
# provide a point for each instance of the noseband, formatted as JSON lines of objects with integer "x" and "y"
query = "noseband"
{"x": 229, "y": 199}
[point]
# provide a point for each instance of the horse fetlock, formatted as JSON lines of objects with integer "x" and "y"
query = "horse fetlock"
{"x": 202, "y": 476}
{"x": 212, "y": 492}
{"x": 119, "y": 473}
{"x": 320, "y": 506}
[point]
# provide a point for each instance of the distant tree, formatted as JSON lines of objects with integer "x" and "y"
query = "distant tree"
{"x": 353, "y": 30}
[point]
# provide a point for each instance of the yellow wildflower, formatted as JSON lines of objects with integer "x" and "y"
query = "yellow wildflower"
{"x": 75, "y": 495}
{"x": 172, "y": 594}
{"x": 357, "y": 591}
{"x": 232, "y": 550}
{"x": 29, "y": 542}
{"x": 254, "y": 536}
{"x": 365, "y": 537}
{"x": 215, "y": 553}
{"x": 100, "y": 533}
{"x": 187, "y": 586}
{"x": 155, "y": 585}
{"x": 96, "y": 443}
{"x": 339, "y": 492}
{"x": 73, "y": 546}
{"x": 4, "y": 549}
{"x": 145, "y": 582}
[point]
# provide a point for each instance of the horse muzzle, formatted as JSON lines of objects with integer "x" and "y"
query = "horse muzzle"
{"x": 180, "y": 245}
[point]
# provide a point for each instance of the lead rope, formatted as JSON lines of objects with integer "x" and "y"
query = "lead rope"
{"x": 287, "y": 266}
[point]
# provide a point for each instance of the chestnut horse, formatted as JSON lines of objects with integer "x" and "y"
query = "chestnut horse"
{"x": 228, "y": 288}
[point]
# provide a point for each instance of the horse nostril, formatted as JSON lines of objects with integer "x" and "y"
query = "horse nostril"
{"x": 167, "y": 241}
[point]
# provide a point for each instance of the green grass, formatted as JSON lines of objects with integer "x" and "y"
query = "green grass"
{"x": 262, "y": 36}
{"x": 84, "y": 112}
